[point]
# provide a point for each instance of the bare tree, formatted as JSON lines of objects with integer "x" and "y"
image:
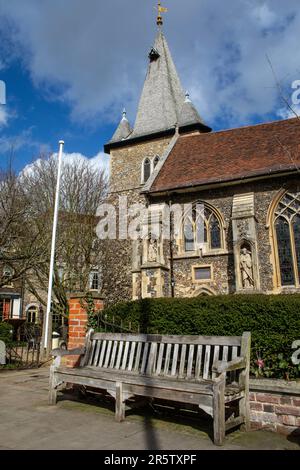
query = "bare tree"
{"x": 83, "y": 188}
{"x": 20, "y": 248}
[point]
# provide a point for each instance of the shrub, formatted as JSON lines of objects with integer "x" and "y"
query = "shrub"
{"x": 274, "y": 323}
{"x": 5, "y": 332}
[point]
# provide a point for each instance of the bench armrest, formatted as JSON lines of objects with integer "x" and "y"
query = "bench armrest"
{"x": 65, "y": 352}
{"x": 224, "y": 366}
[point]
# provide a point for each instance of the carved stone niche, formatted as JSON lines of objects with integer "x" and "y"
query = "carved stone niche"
{"x": 136, "y": 285}
{"x": 153, "y": 282}
{"x": 245, "y": 244}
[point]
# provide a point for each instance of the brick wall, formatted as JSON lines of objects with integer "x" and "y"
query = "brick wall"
{"x": 78, "y": 320}
{"x": 275, "y": 405}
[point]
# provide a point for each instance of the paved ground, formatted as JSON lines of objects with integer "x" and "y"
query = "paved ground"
{"x": 27, "y": 422}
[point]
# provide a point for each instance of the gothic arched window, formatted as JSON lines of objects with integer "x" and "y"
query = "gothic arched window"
{"x": 287, "y": 230}
{"x": 146, "y": 170}
{"x": 202, "y": 227}
{"x": 155, "y": 161}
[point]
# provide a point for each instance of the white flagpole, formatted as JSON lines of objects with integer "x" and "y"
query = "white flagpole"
{"x": 48, "y": 323}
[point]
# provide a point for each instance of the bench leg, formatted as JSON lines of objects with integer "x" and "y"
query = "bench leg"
{"x": 120, "y": 403}
{"x": 219, "y": 413}
{"x": 52, "y": 396}
{"x": 244, "y": 411}
{"x": 52, "y": 388}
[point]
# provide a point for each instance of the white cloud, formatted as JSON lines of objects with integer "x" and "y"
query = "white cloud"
{"x": 265, "y": 15}
{"x": 93, "y": 55}
{"x": 99, "y": 161}
{"x": 289, "y": 112}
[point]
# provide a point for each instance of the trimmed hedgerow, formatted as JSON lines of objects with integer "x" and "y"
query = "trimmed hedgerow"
{"x": 274, "y": 323}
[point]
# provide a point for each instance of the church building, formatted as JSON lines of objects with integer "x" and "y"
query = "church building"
{"x": 246, "y": 236}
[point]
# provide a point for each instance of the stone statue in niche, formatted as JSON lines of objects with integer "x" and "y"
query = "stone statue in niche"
{"x": 152, "y": 249}
{"x": 246, "y": 266}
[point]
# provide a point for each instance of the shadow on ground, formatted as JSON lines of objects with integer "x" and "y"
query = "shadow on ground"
{"x": 162, "y": 414}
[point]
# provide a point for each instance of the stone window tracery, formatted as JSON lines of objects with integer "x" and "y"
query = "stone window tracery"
{"x": 287, "y": 231}
{"x": 202, "y": 227}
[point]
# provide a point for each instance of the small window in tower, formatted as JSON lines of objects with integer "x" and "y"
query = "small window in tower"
{"x": 147, "y": 170}
{"x": 155, "y": 161}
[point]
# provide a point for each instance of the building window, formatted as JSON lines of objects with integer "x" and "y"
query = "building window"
{"x": 146, "y": 170}
{"x": 32, "y": 314}
{"x": 287, "y": 231}
{"x": 202, "y": 273}
{"x": 202, "y": 228}
{"x": 94, "y": 281}
{"x": 155, "y": 161}
{"x": 7, "y": 275}
{"x": 5, "y": 309}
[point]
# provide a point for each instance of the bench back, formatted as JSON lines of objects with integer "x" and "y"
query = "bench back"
{"x": 183, "y": 357}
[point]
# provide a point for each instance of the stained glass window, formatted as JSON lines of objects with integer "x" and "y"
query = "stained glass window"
{"x": 215, "y": 233}
{"x": 287, "y": 228}
{"x": 296, "y": 227}
{"x": 285, "y": 252}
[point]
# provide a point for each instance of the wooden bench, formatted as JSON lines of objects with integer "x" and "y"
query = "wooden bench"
{"x": 209, "y": 371}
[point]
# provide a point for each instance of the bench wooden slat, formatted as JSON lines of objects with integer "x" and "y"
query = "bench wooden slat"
{"x": 103, "y": 348}
{"x": 215, "y": 358}
{"x": 206, "y": 362}
{"x": 190, "y": 361}
{"x": 151, "y": 359}
{"x": 125, "y": 355}
{"x": 145, "y": 356}
{"x": 107, "y": 356}
{"x": 113, "y": 355}
{"x": 131, "y": 357}
{"x": 121, "y": 344}
{"x": 160, "y": 358}
{"x": 174, "y": 361}
{"x": 92, "y": 353}
{"x": 138, "y": 356}
{"x": 171, "y": 339}
{"x": 167, "y": 359}
{"x": 97, "y": 352}
{"x": 234, "y": 355}
{"x": 225, "y": 353}
{"x": 182, "y": 361}
{"x": 198, "y": 361}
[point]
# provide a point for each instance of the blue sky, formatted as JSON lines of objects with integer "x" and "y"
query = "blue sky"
{"x": 70, "y": 67}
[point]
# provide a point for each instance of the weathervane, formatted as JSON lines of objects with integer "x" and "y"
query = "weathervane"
{"x": 160, "y": 10}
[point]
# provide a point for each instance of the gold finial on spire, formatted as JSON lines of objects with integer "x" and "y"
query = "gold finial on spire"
{"x": 160, "y": 10}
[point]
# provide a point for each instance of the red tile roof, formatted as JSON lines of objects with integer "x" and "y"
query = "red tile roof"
{"x": 231, "y": 155}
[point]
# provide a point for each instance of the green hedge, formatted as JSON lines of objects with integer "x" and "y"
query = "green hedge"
{"x": 274, "y": 322}
{"x": 5, "y": 332}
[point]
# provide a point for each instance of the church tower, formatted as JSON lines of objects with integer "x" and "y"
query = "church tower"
{"x": 136, "y": 155}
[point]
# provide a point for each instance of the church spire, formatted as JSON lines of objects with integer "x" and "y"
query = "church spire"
{"x": 162, "y": 96}
{"x": 163, "y": 104}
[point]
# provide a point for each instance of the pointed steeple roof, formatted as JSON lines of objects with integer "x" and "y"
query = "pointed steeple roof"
{"x": 162, "y": 96}
{"x": 163, "y": 106}
{"x": 123, "y": 130}
{"x": 189, "y": 115}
